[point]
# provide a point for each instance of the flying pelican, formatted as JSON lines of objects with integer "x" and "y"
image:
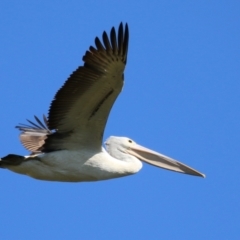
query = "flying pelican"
{"x": 67, "y": 146}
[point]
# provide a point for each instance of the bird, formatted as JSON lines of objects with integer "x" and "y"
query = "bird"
{"x": 67, "y": 145}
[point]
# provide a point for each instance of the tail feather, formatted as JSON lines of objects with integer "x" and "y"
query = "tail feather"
{"x": 11, "y": 159}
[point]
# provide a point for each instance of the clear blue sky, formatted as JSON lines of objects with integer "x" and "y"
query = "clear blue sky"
{"x": 181, "y": 98}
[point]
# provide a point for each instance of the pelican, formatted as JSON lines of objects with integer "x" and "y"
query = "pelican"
{"x": 66, "y": 146}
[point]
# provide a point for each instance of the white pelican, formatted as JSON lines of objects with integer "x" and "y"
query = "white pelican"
{"x": 67, "y": 146}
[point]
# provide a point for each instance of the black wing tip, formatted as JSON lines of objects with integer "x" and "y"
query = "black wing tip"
{"x": 123, "y": 35}
{"x": 115, "y": 43}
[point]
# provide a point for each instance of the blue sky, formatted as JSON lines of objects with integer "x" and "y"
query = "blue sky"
{"x": 181, "y": 98}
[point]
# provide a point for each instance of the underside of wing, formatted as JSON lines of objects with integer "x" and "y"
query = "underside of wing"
{"x": 33, "y": 135}
{"x": 81, "y": 107}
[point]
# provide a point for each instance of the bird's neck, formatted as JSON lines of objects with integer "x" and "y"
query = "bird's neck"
{"x": 125, "y": 164}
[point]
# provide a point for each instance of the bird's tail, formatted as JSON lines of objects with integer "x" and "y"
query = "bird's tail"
{"x": 11, "y": 159}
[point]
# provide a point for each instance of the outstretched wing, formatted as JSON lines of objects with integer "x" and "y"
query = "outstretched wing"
{"x": 80, "y": 109}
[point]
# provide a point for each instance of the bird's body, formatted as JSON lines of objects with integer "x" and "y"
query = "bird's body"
{"x": 76, "y": 166}
{"x": 67, "y": 146}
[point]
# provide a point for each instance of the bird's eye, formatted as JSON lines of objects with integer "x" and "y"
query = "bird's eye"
{"x": 130, "y": 141}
